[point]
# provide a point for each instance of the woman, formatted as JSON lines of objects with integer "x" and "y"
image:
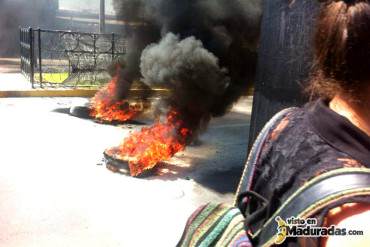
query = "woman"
{"x": 331, "y": 132}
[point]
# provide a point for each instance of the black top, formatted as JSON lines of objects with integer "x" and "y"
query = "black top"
{"x": 340, "y": 133}
{"x": 308, "y": 142}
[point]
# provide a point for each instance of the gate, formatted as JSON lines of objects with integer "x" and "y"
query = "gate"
{"x": 66, "y": 59}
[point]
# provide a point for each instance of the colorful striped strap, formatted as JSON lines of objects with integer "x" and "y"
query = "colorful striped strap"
{"x": 216, "y": 225}
{"x": 315, "y": 195}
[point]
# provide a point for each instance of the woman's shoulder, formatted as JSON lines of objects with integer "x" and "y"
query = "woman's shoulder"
{"x": 294, "y": 153}
{"x": 295, "y": 138}
{"x": 316, "y": 131}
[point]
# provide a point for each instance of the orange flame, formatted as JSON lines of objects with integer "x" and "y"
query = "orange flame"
{"x": 145, "y": 149}
{"x": 105, "y": 108}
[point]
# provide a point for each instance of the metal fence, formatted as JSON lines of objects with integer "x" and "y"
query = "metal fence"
{"x": 68, "y": 59}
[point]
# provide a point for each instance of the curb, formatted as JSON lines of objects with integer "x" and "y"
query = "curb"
{"x": 48, "y": 93}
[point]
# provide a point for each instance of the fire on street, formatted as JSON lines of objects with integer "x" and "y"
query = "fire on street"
{"x": 55, "y": 190}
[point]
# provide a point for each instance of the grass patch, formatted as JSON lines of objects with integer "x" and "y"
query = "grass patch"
{"x": 65, "y": 79}
{"x": 57, "y": 78}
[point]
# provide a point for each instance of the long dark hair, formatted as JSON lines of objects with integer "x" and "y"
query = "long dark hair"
{"x": 342, "y": 49}
{"x": 341, "y": 65}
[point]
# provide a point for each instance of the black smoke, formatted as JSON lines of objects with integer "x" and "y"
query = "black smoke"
{"x": 25, "y": 13}
{"x": 205, "y": 51}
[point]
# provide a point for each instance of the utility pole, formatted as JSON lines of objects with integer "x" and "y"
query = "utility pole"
{"x": 102, "y": 16}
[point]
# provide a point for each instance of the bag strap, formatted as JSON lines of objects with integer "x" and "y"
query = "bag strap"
{"x": 314, "y": 196}
{"x": 246, "y": 180}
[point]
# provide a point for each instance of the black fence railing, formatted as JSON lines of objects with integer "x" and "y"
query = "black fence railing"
{"x": 68, "y": 59}
{"x": 26, "y": 50}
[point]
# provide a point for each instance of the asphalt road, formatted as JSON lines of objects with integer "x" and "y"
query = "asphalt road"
{"x": 54, "y": 190}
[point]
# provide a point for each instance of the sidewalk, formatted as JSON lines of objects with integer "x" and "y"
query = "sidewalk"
{"x": 11, "y": 78}
{"x": 14, "y": 84}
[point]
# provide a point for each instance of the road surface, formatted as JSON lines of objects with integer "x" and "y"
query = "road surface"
{"x": 54, "y": 190}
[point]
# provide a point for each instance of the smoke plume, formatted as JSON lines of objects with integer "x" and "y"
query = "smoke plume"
{"x": 192, "y": 73}
{"x": 203, "y": 50}
{"x": 25, "y": 13}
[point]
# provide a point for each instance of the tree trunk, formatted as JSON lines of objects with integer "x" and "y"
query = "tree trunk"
{"x": 285, "y": 56}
